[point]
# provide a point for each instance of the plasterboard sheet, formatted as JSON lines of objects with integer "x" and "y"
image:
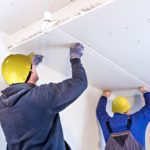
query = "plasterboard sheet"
{"x": 16, "y": 15}
{"x": 119, "y": 31}
{"x": 55, "y": 48}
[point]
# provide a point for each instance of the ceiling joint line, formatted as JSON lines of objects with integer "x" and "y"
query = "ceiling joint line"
{"x": 107, "y": 59}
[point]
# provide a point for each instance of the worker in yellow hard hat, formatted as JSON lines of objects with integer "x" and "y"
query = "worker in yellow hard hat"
{"x": 16, "y": 68}
{"x": 121, "y": 105}
{"x": 123, "y": 131}
{"x": 29, "y": 114}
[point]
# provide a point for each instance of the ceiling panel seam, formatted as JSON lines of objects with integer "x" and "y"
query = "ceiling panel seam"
{"x": 63, "y": 16}
{"x": 116, "y": 66}
{"x": 92, "y": 51}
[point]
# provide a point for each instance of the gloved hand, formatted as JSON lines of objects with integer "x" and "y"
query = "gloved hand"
{"x": 37, "y": 59}
{"x": 76, "y": 50}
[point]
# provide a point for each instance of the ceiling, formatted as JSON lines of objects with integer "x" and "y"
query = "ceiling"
{"x": 116, "y": 39}
{"x": 119, "y": 31}
{"x": 55, "y": 48}
{"x": 18, "y": 14}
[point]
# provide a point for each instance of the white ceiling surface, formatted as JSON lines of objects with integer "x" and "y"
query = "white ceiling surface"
{"x": 55, "y": 48}
{"x": 116, "y": 38}
{"x": 120, "y": 31}
{"x": 17, "y": 14}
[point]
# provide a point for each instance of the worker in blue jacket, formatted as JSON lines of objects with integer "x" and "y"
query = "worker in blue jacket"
{"x": 123, "y": 131}
{"x": 29, "y": 114}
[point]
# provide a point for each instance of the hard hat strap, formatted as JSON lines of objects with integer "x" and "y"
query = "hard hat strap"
{"x": 29, "y": 75}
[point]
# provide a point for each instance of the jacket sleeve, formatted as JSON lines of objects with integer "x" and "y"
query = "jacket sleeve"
{"x": 101, "y": 112}
{"x": 60, "y": 95}
{"x": 144, "y": 112}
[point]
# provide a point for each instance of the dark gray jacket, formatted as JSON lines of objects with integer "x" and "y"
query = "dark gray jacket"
{"x": 29, "y": 113}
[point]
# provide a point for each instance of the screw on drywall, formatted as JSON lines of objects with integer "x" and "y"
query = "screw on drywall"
{"x": 12, "y": 4}
{"x": 126, "y": 28}
{"x": 138, "y": 41}
{"x": 110, "y": 33}
{"x": 148, "y": 20}
{"x": 23, "y": 27}
{"x": 10, "y": 46}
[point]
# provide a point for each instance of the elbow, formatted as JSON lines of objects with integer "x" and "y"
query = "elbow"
{"x": 84, "y": 84}
{"x": 80, "y": 85}
{"x": 97, "y": 110}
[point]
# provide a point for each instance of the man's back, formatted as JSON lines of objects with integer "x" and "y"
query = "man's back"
{"x": 118, "y": 122}
{"x": 28, "y": 123}
{"x": 29, "y": 113}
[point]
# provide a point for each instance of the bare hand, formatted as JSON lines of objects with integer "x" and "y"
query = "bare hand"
{"x": 107, "y": 93}
{"x": 143, "y": 89}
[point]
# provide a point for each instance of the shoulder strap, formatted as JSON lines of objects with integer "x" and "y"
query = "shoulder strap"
{"x": 109, "y": 127}
{"x": 129, "y": 122}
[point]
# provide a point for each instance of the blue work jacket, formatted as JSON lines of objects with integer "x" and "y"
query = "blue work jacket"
{"x": 29, "y": 114}
{"x": 118, "y": 122}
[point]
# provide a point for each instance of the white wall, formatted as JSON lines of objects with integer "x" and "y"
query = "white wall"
{"x": 2, "y": 140}
{"x": 4, "y": 38}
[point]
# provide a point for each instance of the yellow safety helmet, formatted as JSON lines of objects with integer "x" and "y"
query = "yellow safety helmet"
{"x": 16, "y": 68}
{"x": 120, "y": 105}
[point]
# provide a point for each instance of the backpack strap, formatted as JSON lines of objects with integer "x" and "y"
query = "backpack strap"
{"x": 110, "y": 129}
{"x": 129, "y": 122}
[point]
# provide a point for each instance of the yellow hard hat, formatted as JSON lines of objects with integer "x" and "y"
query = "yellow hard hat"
{"x": 16, "y": 68}
{"x": 120, "y": 105}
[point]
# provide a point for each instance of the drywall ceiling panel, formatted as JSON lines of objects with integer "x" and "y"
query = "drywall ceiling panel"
{"x": 15, "y": 14}
{"x": 119, "y": 31}
{"x": 55, "y": 48}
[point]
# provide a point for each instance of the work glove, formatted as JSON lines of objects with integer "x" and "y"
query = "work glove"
{"x": 76, "y": 50}
{"x": 37, "y": 59}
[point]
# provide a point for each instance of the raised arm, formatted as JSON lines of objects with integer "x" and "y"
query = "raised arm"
{"x": 101, "y": 112}
{"x": 60, "y": 95}
{"x": 144, "y": 112}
